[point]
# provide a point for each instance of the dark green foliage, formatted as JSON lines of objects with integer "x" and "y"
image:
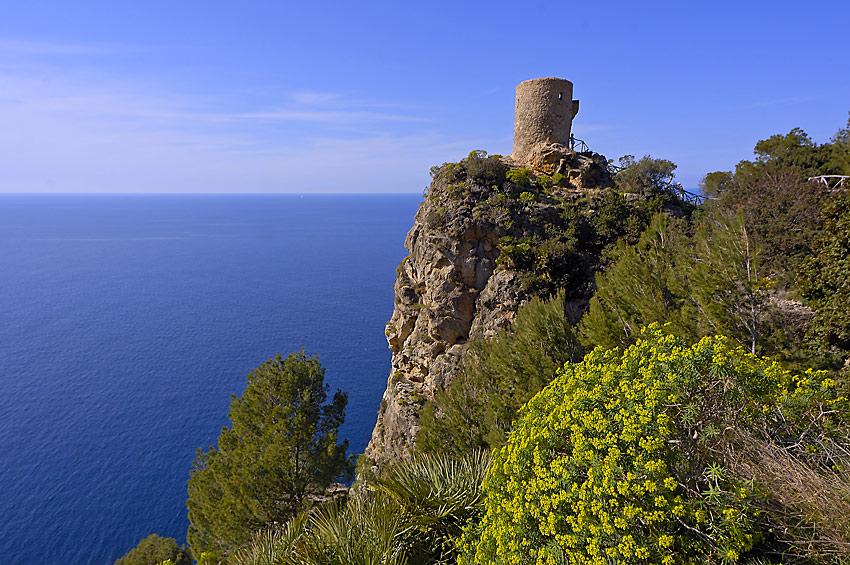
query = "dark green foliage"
{"x": 617, "y": 219}
{"x": 639, "y": 288}
{"x": 824, "y": 277}
{"x": 485, "y": 169}
{"x": 781, "y": 208}
{"x": 706, "y": 284}
{"x": 795, "y": 150}
{"x": 282, "y": 448}
{"x": 449, "y": 172}
{"x": 545, "y": 264}
{"x": 498, "y": 376}
{"x": 725, "y": 283}
{"x": 839, "y": 159}
{"x": 783, "y": 214}
{"x": 155, "y": 549}
{"x": 713, "y": 184}
{"x": 516, "y": 253}
{"x": 647, "y": 176}
{"x": 552, "y": 238}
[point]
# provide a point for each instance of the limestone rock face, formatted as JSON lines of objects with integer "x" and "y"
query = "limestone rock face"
{"x": 583, "y": 170}
{"x": 445, "y": 290}
{"x": 452, "y": 286}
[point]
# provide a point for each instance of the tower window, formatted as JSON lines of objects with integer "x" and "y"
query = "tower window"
{"x": 560, "y": 96}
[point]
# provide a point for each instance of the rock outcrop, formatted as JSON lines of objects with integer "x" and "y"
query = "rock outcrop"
{"x": 460, "y": 279}
{"x": 581, "y": 169}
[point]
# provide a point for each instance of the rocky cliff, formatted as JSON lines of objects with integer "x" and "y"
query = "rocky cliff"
{"x": 487, "y": 236}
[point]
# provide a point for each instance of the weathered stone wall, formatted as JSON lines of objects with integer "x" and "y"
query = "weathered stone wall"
{"x": 544, "y": 115}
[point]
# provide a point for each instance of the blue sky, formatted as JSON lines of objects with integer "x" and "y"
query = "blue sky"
{"x": 234, "y": 97}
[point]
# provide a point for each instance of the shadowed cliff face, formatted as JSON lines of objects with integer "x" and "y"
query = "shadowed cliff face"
{"x": 480, "y": 245}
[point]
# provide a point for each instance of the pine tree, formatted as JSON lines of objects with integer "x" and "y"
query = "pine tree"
{"x": 727, "y": 288}
{"x": 282, "y": 448}
{"x": 639, "y": 288}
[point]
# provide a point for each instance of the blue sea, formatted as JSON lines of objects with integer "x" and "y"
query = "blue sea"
{"x": 127, "y": 321}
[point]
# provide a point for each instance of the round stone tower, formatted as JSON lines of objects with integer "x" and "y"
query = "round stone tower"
{"x": 544, "y": 115}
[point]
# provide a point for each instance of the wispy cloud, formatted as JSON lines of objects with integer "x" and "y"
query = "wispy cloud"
{"x": 313, "y": 98}
{"x": 79, "y": 130}
{"x": 27, "y": 47}
{"x": 328, "y": 116}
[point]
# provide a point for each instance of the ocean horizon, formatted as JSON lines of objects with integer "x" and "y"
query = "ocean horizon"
{"x": 128, "y": 321}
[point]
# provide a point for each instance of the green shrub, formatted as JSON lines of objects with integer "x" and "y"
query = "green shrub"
{"x": 527, "y": 198}
{"x": 450, "y": 172}
{"x": 515, "y": 253}
{"x": 276, "y": 546}
{"x": 710, "y": 282}
{"x": 646, "y": 176}
{"x": 438, "y": 496}
{"x": 522, "y": 177}
{"x": 485, "y": 169}
{"x": 411, "y": 514}
{"x": 641, "y": 286}
{"x": 364, "y": 531}
{"x": 615, "y": 461}
{"x": 156, "y": 549}
{"x": 280, "y": 452}
{"x": 783, "y": 215}
{"x": 618, "y": 219}
{"x": 545, "y": 181}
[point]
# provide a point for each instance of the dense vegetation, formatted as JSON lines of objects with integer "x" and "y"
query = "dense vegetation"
{"x": 674, "y": 390}
{"x": 643, "y": 456}
{"x": 156, "y": 549}
{"x": 825, "y": 278}
{"x": 412, "y": 514}
{"x": 554, "y": 237}
{"x": 280, "y": 453}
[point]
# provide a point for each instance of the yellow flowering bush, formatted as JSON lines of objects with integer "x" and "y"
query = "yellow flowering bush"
{"x": 616, "y": 460}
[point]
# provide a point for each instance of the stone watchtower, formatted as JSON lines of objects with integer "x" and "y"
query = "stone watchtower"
{"x": 544, "y": 116}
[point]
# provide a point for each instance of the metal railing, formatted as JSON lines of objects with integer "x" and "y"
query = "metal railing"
{"x": 690, "y": 197}
{"x": 578, "y": 145}
{"x": 831, "y": 182}
{"x": 693, "y": 198}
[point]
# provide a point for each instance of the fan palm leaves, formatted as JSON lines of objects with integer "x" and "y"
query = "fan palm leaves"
{"x": 278, "y": 546}
{"x": 439, "y": 495}
{"x": 412, "y": 514}
{"x": 364, "y": 531}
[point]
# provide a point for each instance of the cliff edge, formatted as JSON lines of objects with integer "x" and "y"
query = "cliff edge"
{"x": 487, "y": 237}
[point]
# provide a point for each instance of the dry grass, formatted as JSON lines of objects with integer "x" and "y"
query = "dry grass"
{"x": 810, "y": 508}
